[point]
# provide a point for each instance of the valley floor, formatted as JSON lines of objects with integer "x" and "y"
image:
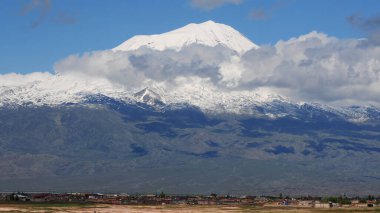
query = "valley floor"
{"x": 68, "y": 208}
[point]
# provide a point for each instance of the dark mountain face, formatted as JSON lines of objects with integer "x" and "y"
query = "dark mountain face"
{"x": 108, "y": 145}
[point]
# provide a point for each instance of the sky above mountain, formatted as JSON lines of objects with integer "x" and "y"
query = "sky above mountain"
{"x": 37, "y": 33}
{"x": 312, "y": 51}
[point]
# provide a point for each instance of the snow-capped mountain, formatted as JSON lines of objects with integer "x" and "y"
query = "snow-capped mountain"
{"x": 55, "y": 89}
{"x": 61, "y": 89}
{"x": 207, "y": 33}
{"x": 165, "y": 117}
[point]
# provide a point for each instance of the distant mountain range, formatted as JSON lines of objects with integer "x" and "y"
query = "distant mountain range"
{"x": 67, "y": 133}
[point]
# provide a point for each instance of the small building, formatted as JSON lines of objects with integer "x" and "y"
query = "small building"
{"x": 306, "y": 203}
{"x": 206, "y": 202}
{"x": 318, "y": 204}
{"x": 355, "y": 203}
{"x": 21, "y": 197}
{"x": 371, "y": 203}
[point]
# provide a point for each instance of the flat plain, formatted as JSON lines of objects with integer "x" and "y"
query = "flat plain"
{"x": 84, "y": 208}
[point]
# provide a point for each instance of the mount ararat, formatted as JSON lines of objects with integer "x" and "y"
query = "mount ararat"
{"x": 181, "y": 112}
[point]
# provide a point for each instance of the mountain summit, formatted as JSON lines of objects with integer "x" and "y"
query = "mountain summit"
{"x": 148, "y": 96}
{"x": 207, "y": 33}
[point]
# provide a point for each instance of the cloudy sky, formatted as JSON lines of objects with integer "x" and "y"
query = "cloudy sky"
{"x": 37, "y": 33}
{"x": 322, "y": 50}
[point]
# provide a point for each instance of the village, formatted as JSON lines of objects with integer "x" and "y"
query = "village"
{"x": 369, "y": 201}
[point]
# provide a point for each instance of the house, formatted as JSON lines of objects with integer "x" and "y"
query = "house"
{"x": 318, "y": 204}
{"x": 21, "y": 197}
{"x": 306, "y": 203}
{"x": 206, "y": 202}
{"x": 371, "y": 203}
{"x": 355, "y": 203}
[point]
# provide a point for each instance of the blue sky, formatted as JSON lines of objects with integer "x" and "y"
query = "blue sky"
{"x": 37, "y": 33}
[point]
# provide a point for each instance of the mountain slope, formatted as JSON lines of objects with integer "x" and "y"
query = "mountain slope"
{"x": 108, "y": 145}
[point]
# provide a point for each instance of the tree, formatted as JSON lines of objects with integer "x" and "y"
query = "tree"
{"x": 371, "y": 197}
{"x": 162, "y": 195}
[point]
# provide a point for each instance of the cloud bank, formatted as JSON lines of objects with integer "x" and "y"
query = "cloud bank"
{"x": 312, "y": 67}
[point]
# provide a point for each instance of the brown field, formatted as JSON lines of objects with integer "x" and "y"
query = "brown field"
{"x": 67, "y": 208}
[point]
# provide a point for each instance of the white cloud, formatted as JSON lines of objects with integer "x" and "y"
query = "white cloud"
{"x": 312, "y": 67}
{"x": 133, "y": 68}
{"x": 15, "y": 79}
{"x": 316, "y": 67}
{"x": 231, "y": 72}
{"x": 114, "y": 66}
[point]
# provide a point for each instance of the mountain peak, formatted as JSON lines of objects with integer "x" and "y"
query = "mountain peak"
{"x": 209, "y": 22}
{"x": 148, "y": 96}
{"x": 206, "y": 23}
{"x": 208, "y": 33}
